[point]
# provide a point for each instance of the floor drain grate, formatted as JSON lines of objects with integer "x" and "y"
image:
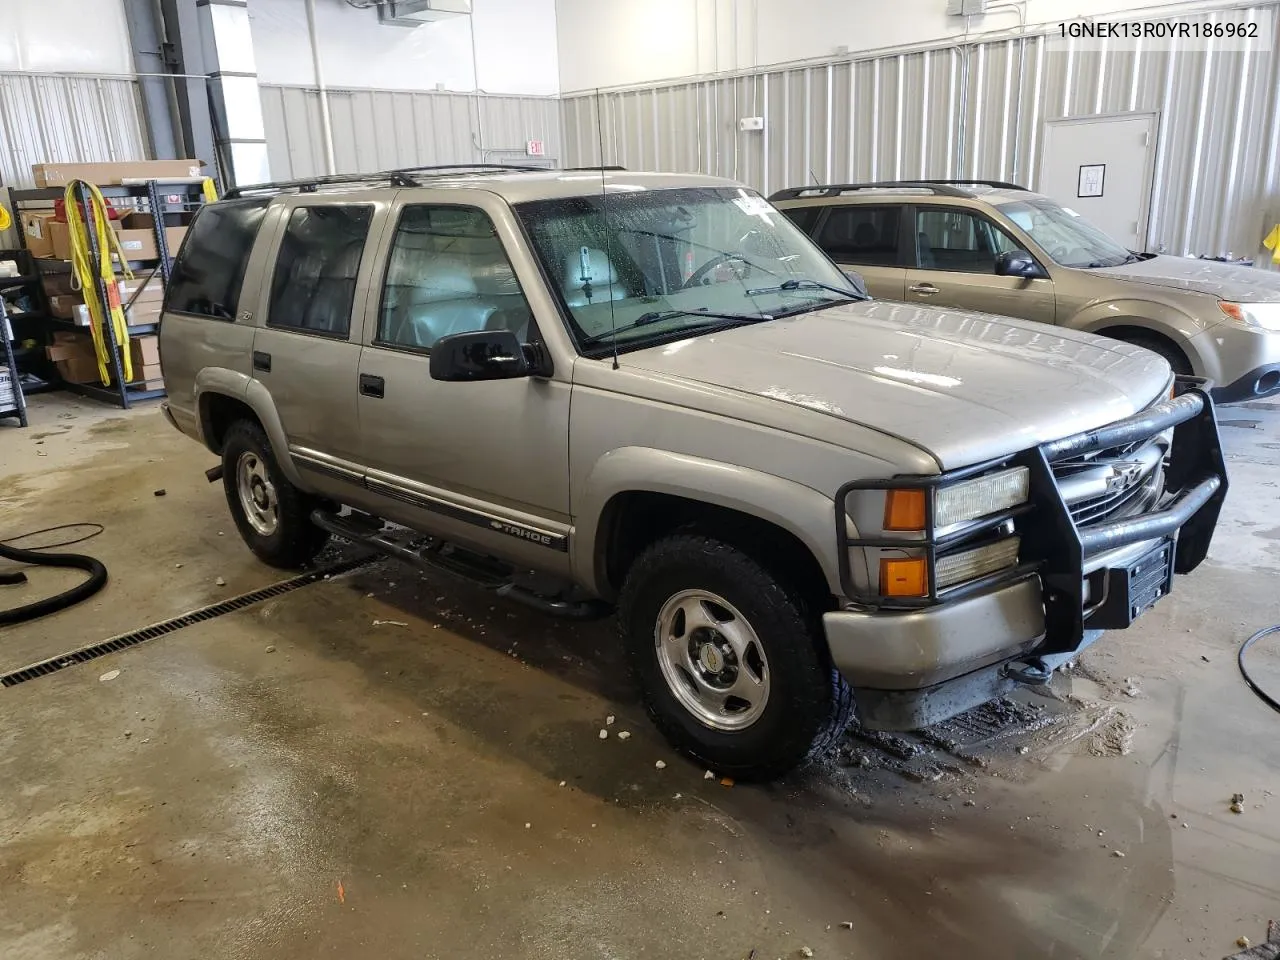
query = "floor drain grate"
{"x": 221, "y": 608}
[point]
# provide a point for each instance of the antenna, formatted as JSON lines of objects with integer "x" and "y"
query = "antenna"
{"x": 608, "y": 239}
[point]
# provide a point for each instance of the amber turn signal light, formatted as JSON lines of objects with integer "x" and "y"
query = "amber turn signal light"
{"x": 904, "y": 578}
{"x": 904, "y": 510}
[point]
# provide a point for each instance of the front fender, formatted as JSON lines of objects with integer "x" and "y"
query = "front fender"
{"x": 252, "y": 393}
{"x": 801, "y": 511}
{"x": 1178, "y": 325}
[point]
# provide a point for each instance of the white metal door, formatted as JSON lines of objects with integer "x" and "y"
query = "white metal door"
{"x": 1102, "y": 167}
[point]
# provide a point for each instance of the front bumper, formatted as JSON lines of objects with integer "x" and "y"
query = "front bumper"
{"x": 1247, "y": 361}
{"x": 1257, "y": 383}
{"x": 911, "y": 667}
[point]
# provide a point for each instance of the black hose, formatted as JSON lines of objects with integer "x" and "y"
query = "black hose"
{"x": 1269, "y": 700}
{"x": 81, "y": 591}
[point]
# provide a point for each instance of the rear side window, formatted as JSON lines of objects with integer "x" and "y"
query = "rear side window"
{"x": 314, "y": 283}
{"x": 861, "y": 234}
{"x": 206, "y": 278}
{"x": 803, "y": 217}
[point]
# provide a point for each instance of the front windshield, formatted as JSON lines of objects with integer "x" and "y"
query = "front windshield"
{"x": 1064, "y": 235}
{"x": 637, "y": 266}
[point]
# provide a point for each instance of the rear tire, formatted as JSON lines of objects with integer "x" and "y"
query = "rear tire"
{"x": 272, "y": 515}
{"x": 702, "y": 622}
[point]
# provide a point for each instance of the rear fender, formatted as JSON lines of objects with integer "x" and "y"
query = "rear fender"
{"x": 252, "y": 393}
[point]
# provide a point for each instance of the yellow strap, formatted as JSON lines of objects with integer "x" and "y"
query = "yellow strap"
{"x": 6, "y": 221}
{"x": 1272, "y": 243}
{"x": 82, "y": 265}
{"x": 210, "y": 191}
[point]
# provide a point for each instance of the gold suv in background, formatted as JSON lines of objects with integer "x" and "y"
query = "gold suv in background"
{"x": 999, "y": 248}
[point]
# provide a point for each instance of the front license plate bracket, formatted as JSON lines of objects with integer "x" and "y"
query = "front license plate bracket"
{"x": 1132, "y": 590}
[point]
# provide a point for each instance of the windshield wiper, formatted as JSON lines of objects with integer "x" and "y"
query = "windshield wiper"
{"x": 1131, "y": 257}
{"x": 787, "y": 286}
{"x": 657, "y": 316}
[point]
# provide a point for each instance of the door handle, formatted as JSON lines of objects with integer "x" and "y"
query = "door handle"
{"x": 262, "y": 361}
{"x": 923, "y": 289}
{"x": 371, "y": 386}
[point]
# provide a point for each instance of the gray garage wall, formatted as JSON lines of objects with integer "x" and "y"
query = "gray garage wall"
{"x": 46, "y": 118}
{"x": 82, "y": 118}
{"x": 384, "y": 129}
{"x": 969, "y": 110}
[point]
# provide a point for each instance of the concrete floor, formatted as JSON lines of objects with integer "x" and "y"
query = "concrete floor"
{"x": 296, "y": 780}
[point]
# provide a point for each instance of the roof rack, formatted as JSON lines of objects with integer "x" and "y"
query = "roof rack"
{"x": 998, "y": 184}
{"x": 403, "y": 177}
{"x": 943, "y": 188}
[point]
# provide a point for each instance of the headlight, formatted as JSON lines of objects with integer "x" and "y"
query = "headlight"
{"x": 981, "y": 496}
{"x": 1263, "y": 316}
{"x": 971, "y": 564}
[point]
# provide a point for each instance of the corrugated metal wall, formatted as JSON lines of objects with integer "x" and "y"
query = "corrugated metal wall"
{"x": 975, "y": 110}
{"x": 382, "y": 129}
{"x": 48, "y": 118}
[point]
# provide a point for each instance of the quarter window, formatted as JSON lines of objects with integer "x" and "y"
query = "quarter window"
{"x": 209, "y": 271}
{"x": 959, "y": 240}
{"x": 448, "y": 273}
{"x": 861, "y": 234}
{"x": 314, "y": 284}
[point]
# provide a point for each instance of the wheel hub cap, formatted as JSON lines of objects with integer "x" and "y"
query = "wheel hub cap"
{"x": 257, "y": 494}
{"x": 712, "y": 660}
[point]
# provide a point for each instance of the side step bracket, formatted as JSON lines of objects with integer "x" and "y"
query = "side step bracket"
{"x": 442, "y": 557}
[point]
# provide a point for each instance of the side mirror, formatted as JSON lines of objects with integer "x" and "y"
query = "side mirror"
{"x": 481, "y": 355}
{"x": 856, "y": 281}
{"x": 1019, "y": 263}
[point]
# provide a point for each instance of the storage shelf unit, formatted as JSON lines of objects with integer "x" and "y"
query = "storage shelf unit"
{"x": 13, "y": 402}
{"x": 162, "y": 198}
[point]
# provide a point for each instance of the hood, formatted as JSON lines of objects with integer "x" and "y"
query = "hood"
{"x": 964, "y": 386}
{"x": 1227, "y": 281}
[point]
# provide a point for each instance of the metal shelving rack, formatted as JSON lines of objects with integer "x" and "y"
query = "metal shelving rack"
{"x": 158, "y": 195}
{"x": 18, "y": 407}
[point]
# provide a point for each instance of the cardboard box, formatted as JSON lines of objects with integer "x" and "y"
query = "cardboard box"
{"x": 63, "y": 306}
{"x": 35, "y": 230}
{"x": 74, "y": 356}
{"x": 152, "y": 290}
{"x": 145, "y": 351}
{"x": 146, "y": 312}
{"x": 136, "y": 315}
{"x": 60, "y": 239}
{"x": 60, "y": 174}
{"x": 137, "y": 244}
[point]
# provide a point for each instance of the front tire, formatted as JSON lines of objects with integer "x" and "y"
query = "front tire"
{"x": 272, "y": 515}
{"x": 728, "y": 660}
{"x": 1157, "y": 344}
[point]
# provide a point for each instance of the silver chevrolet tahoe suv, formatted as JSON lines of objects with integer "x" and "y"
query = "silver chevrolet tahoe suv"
{"x": 591, "y": 390}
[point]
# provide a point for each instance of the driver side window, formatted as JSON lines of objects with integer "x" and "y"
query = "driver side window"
{"x": 448, "y": 273}
{"x": 959, "y": 240}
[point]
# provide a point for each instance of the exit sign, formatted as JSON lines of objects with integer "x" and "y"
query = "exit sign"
{"x": 535, "y": 148}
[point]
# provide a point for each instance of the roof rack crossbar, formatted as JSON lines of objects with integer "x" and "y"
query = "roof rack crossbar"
{"x": 401, "y": 177}
{"x": 943, "y": 188}
{"x": 310, "y": 184}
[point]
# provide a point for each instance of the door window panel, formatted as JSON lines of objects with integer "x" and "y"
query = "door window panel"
{"x": 448, "y": 273}
{"x": 806, "y": 218}
{"x": 861, "y": 234}
{"x": 210, "y": 267}
{"x": 959, "y": 240}
{"x": 314, "y": 284}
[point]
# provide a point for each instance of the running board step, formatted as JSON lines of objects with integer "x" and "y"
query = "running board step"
{"x": 442, "y": 557}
